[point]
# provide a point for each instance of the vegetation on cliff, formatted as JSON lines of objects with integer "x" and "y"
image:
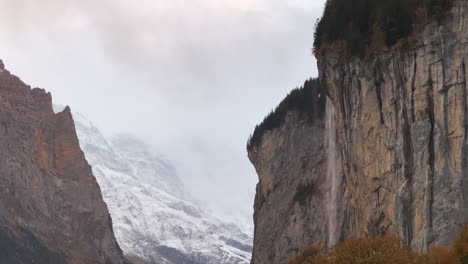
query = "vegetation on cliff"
{"x": 364, "y": 27}
{"x": 308, "y": 100}
{"x": 303, "y": 192}
{"x": 385, "y": 250}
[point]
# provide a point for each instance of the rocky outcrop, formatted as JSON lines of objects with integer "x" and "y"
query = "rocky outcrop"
{"x": 291, "y": 203}
{"x": 402, "y": 121}
{"x": 402, "y": 132}
{"x": 51, "y": 207}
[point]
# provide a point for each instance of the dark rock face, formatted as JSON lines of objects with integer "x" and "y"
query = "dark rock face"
{"x": 22, "y": 247}
{"x": 50, "y": 202}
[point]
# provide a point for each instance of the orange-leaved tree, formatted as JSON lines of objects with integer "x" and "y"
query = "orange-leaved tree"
{"x": 460, "y": 246}
{"x": 442, "y": 255}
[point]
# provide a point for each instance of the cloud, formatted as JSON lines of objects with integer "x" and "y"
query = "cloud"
{"x": 174, "y": 72}
{"x": 138, "y": 31}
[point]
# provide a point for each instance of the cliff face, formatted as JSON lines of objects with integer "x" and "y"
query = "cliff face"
{"x": 402, "y": 121}
{"x": 402, "y": 132}
{"x": 291, "y": 204}
{"x": 51, "y": 210}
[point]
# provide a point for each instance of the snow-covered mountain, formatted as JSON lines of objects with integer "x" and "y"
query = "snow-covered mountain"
{"x": 154, "y": 217}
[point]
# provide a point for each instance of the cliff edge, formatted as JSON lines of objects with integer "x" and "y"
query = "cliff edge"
{"x": 402, "y": 119}
{"x": 389, "y": 157}
{"x": 296, "y": 160}
{"x": 51, "y": 210}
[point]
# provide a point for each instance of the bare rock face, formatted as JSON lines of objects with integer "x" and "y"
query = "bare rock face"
{"x": 292, "y": 200}
{"x": 51, "y": 208}
{"x": 402, "y": 120}
{"x": 402, "y": 132}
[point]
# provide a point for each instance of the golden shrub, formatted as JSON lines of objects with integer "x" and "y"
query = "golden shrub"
{"x": 460, "y": 246}
{"x": 309, "y": 253}
{"x": 381, "y": 250}
{"x": 442, "y": 255}
{"x": 385, "y": 250}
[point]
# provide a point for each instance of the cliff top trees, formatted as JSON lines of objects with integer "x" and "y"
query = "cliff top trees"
{"x": 361, "y": 27}
{"x": 308, "y": 100}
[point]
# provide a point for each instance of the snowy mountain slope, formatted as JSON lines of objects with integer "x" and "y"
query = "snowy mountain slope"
{"x": 152, "y": 214}
{"x": 152, "y": 168}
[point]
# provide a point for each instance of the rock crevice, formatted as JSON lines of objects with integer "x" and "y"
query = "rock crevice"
{"x": 402, "y": 131}
{"x": 417, "y": 154}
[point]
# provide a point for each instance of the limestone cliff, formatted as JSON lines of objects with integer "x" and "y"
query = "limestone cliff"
{"x": 295, "y": 163}
{"x": 402, "y": 121}
{"x": 284, "y": 163}
{"x": 51, "y": 207}
{"x": 402, "y": 132}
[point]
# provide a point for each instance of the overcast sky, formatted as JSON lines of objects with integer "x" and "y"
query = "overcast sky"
{"x": 191, "y": 77}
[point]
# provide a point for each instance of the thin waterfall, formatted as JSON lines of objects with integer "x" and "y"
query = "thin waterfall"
{"x": 334, "y": 173}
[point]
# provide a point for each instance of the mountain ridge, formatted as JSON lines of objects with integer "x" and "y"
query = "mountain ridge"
{"x": 152, "y": 217}
{"x": 52, "y": 207}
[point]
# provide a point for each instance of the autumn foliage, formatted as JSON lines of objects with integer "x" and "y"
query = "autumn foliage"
{"x": 442, "y": 255}
{"x": 460, "y": 247}
{"x": 385, "y": 250}
{"x": 367, "y": 251}
{"x": 310, "y": 252}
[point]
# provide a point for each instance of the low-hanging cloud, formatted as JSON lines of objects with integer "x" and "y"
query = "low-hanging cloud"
{"x": 192, "y": 77}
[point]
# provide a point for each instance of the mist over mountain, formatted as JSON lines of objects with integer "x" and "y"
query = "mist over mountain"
{"x": 191, "y": 78}
{"x": 154, "y": 215}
